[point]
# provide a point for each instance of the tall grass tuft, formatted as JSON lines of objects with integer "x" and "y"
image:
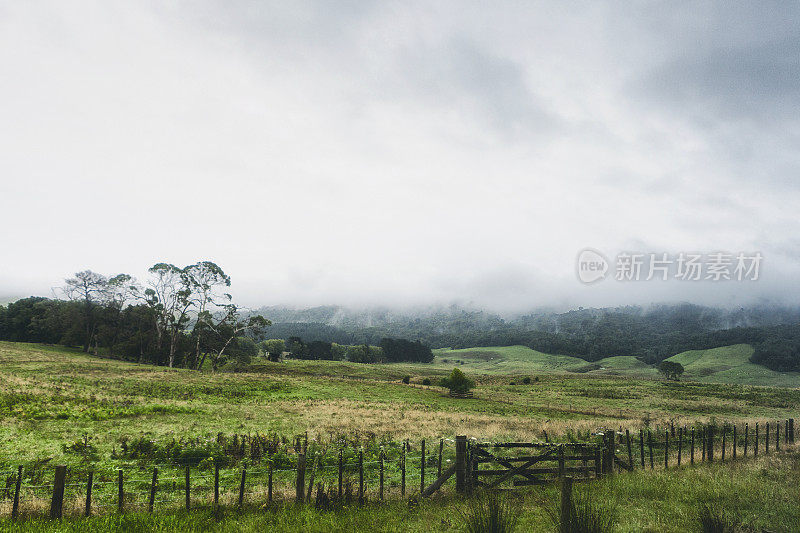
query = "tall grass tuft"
{"x": 585, "y": 516}
{"x": 490, "y": 513}
{"x": 714, "y": 519}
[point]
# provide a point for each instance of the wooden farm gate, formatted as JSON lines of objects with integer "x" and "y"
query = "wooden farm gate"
{"x": 526, "y": 463}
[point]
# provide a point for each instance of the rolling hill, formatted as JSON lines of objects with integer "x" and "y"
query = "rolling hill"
{"x": 727, "y": 364}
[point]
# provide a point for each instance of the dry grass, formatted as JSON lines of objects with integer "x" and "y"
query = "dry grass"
{"x": 58, "y": 395}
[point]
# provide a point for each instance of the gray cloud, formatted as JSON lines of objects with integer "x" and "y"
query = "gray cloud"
{"x": 461, "y": 76}
{"x": 372, "y": 152}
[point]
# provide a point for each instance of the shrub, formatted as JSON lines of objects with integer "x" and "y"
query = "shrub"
{"x": 490, "y": 513}
{"x": 585, "y": 516}
{"x": 457, "y": 382}
{"x": 526, "y": 380}
{"x": 82, "y": 447}
{"x": 406, "y": 379}
{"x": 512, "y": 382}
{"x": 426, "y": 381}
{"x": 671, "y": 370}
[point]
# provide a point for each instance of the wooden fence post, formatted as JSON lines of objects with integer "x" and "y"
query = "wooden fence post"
{"x": 766, "y": 439}
{"x": 666, "y": 448}
{"x": 17, "y": 487}
{"x": 310, "y": 492}
{"x": 461, "y": 463}
{"x": 560, "y": 460}
{"x": 269, "y": 481}
{"x": 650, "y": 446}
{"x": 216, "y": 484}
{"x": 381, "y": 479}
{"x": 710, "y": 443}
{"x": 341, "y": 468}
{"x": 704, "y": 444}
{"x": 153, "y": 485}
{"x": 361, "y": 476}
{"x": 746, "y": 437}
{"x": 791, "y": 430}
{"x": 403, "y": 470}
{"x": 680, "y": 444}
{"x": 120, "y": 492}
{"x": 608, "y": 456}
{"x": 472, "y": 468}
{"x": 628, "y": 443}
{"x": 641, "y": 446}
{"x": 755, "y": 443}
{"x": 87, "y": 511}
{"x": 691, "y": 458}
{"x": 422, "y": 468}
{"x": 734, "y": 442}
{"x": 301, "y": 478}
{"x": 241, "y": 487}
{"x": 724, "y": 434}
{"x": 188, "y": 488}
{"x": 439, "y": 465}
{"x": 787, "y": 432}
{"x": 57, "y": 502}
{"x": 777, "y": 435}
{"x": 566, "y": 503}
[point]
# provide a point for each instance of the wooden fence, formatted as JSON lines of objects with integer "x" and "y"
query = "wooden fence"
{"x": 474, "y": 465}
{"x": 539, "y": 464}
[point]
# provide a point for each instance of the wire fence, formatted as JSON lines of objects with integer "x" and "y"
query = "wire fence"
{"x": 388, "y": 472}
{"x": 167, "y": 484}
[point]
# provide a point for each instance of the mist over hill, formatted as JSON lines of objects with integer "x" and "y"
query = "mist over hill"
{"x": 650, "y": 333}
{"x": 454, "y": 319}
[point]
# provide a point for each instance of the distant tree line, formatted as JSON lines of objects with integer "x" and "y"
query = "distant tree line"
{"x": 184, "y": 317}
{"x": 177, "y": 317}
{"x": 388, "y": 351}
{"x": 591, "y": 334}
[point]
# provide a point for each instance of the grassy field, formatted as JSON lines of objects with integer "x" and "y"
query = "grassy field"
{"x": 756, "y": 495}
{"x": 728, "y": 364}
{"x": 52, "y": 399}
{"x": 51, "y": 395}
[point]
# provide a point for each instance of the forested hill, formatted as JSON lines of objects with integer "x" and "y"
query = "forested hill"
{"x": 652, "y": 334}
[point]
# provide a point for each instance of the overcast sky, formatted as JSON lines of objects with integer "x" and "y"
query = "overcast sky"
{"x": 400, "y": 152}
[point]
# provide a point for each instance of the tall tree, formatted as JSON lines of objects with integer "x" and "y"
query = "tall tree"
{"x": 230, "y": 325}
{"x": 206, "y": 279}
{"x": 89, "y": 288}
{"x": 170, "y": 295}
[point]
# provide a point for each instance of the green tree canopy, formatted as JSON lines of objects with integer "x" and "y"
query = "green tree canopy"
{"x": 274, "y": 349}
{"x": 457, "y": 382}
{"x": 671, "y": 370}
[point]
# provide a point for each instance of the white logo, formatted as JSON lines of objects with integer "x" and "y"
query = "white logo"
{"x": 592, "y": 266}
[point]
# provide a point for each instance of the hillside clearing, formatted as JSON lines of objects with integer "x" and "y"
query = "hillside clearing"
{"x": 727, "y": 364}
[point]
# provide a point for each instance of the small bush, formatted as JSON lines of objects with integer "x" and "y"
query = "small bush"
{"x": 490, "y": 513}
{"x": 82, "y": 447}
{"x": 714, "y": 519}
{"x": 585, "y": 516}
{"x": 457, "y": 382}
{"x": 512, "y": 383}
{"x": 526, "y": 380}
{"x": 406, "y": 379}
{"x": 426, "y": 381}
